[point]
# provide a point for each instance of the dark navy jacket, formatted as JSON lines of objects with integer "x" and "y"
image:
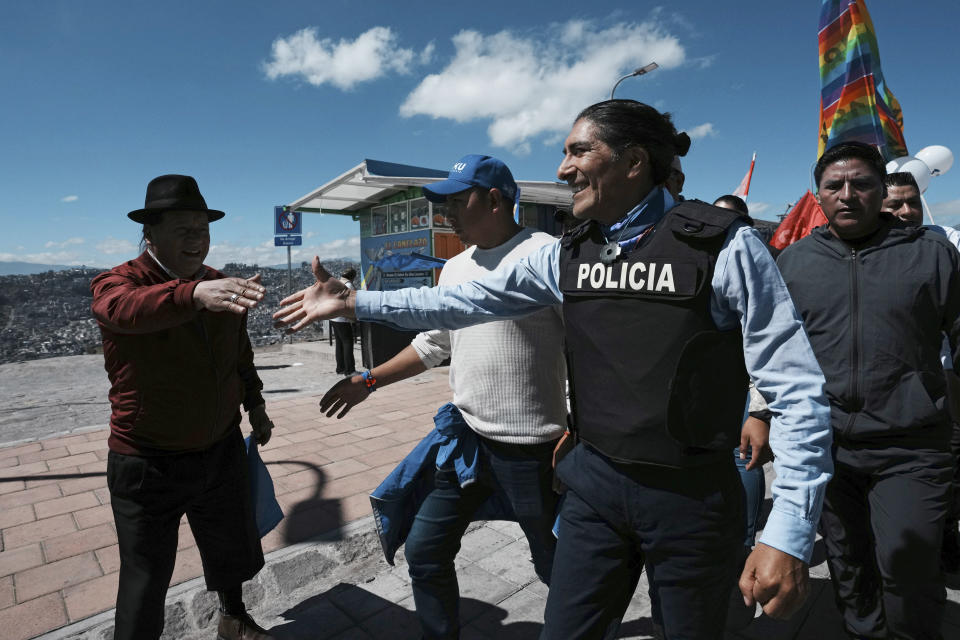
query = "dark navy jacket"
{"x": 875, "y": 315}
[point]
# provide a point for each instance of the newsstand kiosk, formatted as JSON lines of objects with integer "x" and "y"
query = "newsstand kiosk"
{"x": 404, "y": 238}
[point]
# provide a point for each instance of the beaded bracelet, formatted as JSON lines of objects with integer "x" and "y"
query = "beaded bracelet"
{"x": 369, "y": 380}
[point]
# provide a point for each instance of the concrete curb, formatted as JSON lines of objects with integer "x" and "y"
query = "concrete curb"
{"x": 290, "y": 575}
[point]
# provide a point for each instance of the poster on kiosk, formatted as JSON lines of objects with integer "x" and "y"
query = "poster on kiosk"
{"x": 386, "y": 261}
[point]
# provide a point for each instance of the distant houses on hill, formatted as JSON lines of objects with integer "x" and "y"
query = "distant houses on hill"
{"x": 47, "y": 314}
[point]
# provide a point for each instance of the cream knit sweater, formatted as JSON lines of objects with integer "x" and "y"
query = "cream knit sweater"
{"x": 508, "y": 377}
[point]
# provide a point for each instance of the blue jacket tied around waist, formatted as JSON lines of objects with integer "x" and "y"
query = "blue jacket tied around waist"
{"x": 398, "y": 498}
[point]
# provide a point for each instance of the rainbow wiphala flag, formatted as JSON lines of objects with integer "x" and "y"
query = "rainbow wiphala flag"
{"x": 855, "y": 103}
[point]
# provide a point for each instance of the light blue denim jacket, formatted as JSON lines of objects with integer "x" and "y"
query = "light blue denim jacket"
{"x": 747, "y": 290}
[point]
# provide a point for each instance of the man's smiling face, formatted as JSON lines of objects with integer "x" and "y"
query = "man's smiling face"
{"x": 180, "y": 241}
{"x": 599, "y": 178}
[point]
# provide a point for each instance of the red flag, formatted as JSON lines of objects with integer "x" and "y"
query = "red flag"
{"x": 801, "y": 220}
{"x": 744, "y": 189}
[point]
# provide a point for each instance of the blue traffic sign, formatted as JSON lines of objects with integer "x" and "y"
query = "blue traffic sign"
{"x": 286, "y": 222}
{"x": 287, "y": 241}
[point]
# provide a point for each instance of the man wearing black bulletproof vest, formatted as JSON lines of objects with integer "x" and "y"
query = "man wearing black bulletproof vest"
{"x": 667, "y": 308}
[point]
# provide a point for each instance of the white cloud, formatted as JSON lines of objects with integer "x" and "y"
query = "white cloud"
{"x": 112, "y": 246}
{"x": 946, "y": 213}
{"x": 267, "y": 254}
{"x": 701, "y": 131}
{"x": 702, "y": 62}
{"x": 69, "y": 198}
{"x": 945, "y": 208}
{"x": 673, "y": 17}
{"x": 112, "y": 250}
{"x": 528, "y": 84}
{"x": 348, "y": 247}
{"x": 342, "y": 64}
{"x": 756, "y": 208}
{"x": 264, "y": 253}
{"x": 65, "y": 243}
{"x": 69, "y": 258}
{"x": 426, "y": 56}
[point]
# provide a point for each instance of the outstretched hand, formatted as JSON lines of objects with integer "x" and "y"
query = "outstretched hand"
{"x": 777, "y": 580}
{"x": 326, "y": 298}
{"x": 235, "y": 295}
{"x": 344, "y": 395}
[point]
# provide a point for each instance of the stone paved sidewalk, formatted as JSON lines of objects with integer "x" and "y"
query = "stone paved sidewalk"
{"x": 59, "y": 560}
{"x": 325, "y": 576}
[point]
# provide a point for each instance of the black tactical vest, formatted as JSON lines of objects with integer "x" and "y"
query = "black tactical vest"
{"x": 652, "y": 379}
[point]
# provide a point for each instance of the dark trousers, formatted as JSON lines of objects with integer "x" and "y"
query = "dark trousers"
{"x": 882, "y": 524}
{"x": 754, "y": 487}
{"x": 954, "y": 514}
{"x": 521, "y": 474}
{"x": 685, "y": 524}
{"x": 149, "y": 496}
{"x": 343, "y": 336}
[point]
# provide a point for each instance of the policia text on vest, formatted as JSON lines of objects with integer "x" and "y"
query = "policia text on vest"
{"x": 634, "y": 276}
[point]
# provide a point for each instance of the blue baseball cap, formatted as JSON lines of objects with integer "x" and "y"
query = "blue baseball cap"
{"x": 473, "y": 171}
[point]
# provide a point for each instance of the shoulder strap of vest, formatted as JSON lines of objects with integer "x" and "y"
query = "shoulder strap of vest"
{"x": 577, "y": 234}
{"x": 699, "y": 219}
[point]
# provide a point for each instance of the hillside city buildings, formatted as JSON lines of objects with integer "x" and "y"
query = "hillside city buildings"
{"x": 48, "y": 314}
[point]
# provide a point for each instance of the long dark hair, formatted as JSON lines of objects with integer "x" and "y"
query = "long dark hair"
{"x": 624, "y": 123}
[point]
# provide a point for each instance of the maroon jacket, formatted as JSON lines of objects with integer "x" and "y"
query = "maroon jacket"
{"x": 177, "y": 375}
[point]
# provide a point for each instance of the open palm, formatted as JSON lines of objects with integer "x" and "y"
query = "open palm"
{"x": 324, "y": 299}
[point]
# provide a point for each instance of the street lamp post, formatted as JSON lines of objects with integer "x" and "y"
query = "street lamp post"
{"x": 636, "y": 72}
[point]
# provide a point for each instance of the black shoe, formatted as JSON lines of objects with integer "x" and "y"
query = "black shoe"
{"x": 240, "y": 627}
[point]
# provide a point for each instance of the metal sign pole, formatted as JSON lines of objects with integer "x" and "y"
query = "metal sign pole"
{"x": 289, "y": 280}
{"x": 286, "y": 233}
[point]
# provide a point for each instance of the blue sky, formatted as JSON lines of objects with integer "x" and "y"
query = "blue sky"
{"x": 264, "y": 101}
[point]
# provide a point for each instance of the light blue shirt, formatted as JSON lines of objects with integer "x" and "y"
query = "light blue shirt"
{"x": 747, "y": 289}
{"x": 952, "y": 234}
{"x": 946, "y": 356}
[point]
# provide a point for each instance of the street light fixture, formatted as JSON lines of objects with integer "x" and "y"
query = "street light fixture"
{"x": 636, "y": 72}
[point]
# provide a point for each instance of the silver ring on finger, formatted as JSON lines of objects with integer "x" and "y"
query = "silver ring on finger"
{"x": 233, "y": 298}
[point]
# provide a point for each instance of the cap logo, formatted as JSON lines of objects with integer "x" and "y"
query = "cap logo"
{"x": 459, "y": 166}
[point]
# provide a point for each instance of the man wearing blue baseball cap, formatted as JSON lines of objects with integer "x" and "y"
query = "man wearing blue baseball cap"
{"x": 508, "y": 380}
{"x": 475, "y": 171}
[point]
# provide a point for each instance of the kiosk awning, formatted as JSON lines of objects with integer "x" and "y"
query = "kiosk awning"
{"x": 368, "y": 183}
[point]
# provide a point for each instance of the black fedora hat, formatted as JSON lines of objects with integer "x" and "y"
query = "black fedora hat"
{"x": 172, "y": 193}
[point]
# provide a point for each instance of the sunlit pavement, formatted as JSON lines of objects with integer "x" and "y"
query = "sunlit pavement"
{"x": 325, "y": 575}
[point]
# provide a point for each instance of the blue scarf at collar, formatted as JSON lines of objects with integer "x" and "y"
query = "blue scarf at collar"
{"x": 649, "y": 212}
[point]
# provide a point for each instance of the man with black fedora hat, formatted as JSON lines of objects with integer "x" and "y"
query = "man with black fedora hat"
{"x": 180, "y": 364}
